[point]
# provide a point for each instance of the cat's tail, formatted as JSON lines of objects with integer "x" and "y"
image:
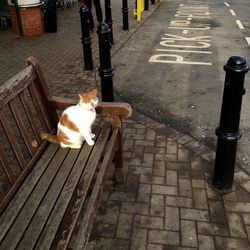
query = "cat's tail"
{"x": 50, "y": 138}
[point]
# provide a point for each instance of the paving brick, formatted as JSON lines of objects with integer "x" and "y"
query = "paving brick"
{"x": 154, "y": 247}
{"x": 185, "y": 188}
{"x": 236, "y": 226}
{"x": 150, "y": 135}
{"x": 124, "y": 226}
{"x": 172, "y": 216}
{"x": 184, "y": 139}
{"x": 144, "y": 193}
{"x": 154, "y": 150}
{"x": 135, "y": 136}
{"x": 140, "y": 170}
{"x": 148, "y": 222}
{"x": 148, "y": 160}
{"x": 183, "y": 155}
{"x": 188, "y": 234}
{"x": 234, "y": 206}
{"x": 165, "y": 157}
{"x": 178, "y": 165}
{"x": 178, "y": 201}
{"x": 144, "y": 143}
{"x": 139, "y": 239}
{"x": 205, "y": 242}
{"x": 231, "y": 243}
{"x": 111, "y": 212}
{"x": 212, "y": 229}
{"x": 109, "y": 243}
{"x": 171, "y": 148}
{"x": 159, "y": 168}
{"x": 100, "y": 229}
{"x": 241, "y": 176}
{"x": 196, "y": 183}
{"x": 165, "y": 190}
{"x": 200, "y": 198}
{"x": 246, "y": 218}
{"x": 135, "y": 208}
{"x": 157, "y": 205}
{"x": 128, "y": 144}
{"x": 122, "y": 196}
{"x": 171, "y": 178}
{"x": 152, "y": 179}
{"x": 217, "y": 211}
{"x": 246, "y": 186}
{"x": 194, "y": 214}
{"x": 163, "y": 237}
{"x": 135, "y": 161}
{"x": 161, "y": 141}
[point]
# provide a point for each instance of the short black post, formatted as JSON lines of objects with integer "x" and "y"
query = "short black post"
{"x": 50, "y": 17}
{"x": 86, "y": 39}
{"x": 228, "y": 132}
{"x": 108, "y": 20}
{"x": 125, "y": 14}
{"x": 152, "y": 1}
{"x": 145, "y": 4}
{"x": 105, "y": 70}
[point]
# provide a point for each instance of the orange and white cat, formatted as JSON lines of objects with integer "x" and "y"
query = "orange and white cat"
{"x": 75, "y": 123}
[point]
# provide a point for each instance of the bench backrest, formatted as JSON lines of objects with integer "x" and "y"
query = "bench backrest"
{"x": 24, "y": 114}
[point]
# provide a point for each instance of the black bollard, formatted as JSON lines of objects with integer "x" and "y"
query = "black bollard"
{"x": 145, "y": 4}
{"x": 228, "y": 132}
{"x": 50, "y": 17}
{"x": 105, "y": 70}
{"x": 125, "y": 14}
{"x": 86, "y": 39}
{"x": 108, "y": 20}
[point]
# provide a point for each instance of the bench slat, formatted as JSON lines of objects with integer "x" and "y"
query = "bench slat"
{"x": 91, "y": 210}
{"x": 30, "y": 118}
{"x": 36, "y": 195}
{"x": 6, "y": 167}
{"x": 22, "y": 128}
{"x": 80, "y": 189}
{"x": 12, "y": 139}
{"x": 40, "y": 113}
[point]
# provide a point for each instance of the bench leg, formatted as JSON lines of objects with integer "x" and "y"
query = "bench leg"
{"x": 119, "y": 171}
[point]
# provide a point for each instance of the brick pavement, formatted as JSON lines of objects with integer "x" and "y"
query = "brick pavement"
{"x": 167, "y": 201}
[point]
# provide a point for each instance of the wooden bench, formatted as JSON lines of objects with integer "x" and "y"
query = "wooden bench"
{"x": 49, "y": 194}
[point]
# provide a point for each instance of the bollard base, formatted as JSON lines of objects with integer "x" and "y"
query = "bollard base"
{"x": 219, "y": 188}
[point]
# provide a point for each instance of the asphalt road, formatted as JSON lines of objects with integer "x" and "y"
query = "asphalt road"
{"x": 172, "y": 67}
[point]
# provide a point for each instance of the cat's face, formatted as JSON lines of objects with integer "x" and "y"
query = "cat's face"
{"x": 89, "y": 99}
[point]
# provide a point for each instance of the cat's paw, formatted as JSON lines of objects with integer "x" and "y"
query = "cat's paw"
{"x": 92, "y": 136}
{"x": 75, "y": 146}
{"x": 91, "y": 143}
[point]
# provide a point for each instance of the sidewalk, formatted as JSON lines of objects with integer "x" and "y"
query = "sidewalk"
{"x": 168, "y": 201}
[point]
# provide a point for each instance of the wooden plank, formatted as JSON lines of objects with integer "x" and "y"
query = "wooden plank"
{"x": 16, "y": 85}
{"x": 22, "y": 128}
{"x": 28, "y": 209}
{"x": 12, "y": 139}
{"x": 79, "y": 181}
{"x": 43, "y": 90}
{"x": 30, "y": 118}
{"x": 41, "y": 216}
{"x": 7, "y": 168}
{"x": 91, "y": 210}
{"x": 40, "y": 112}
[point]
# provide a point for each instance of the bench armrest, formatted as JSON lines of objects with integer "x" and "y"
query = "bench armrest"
{"x": 112, "y": 109}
